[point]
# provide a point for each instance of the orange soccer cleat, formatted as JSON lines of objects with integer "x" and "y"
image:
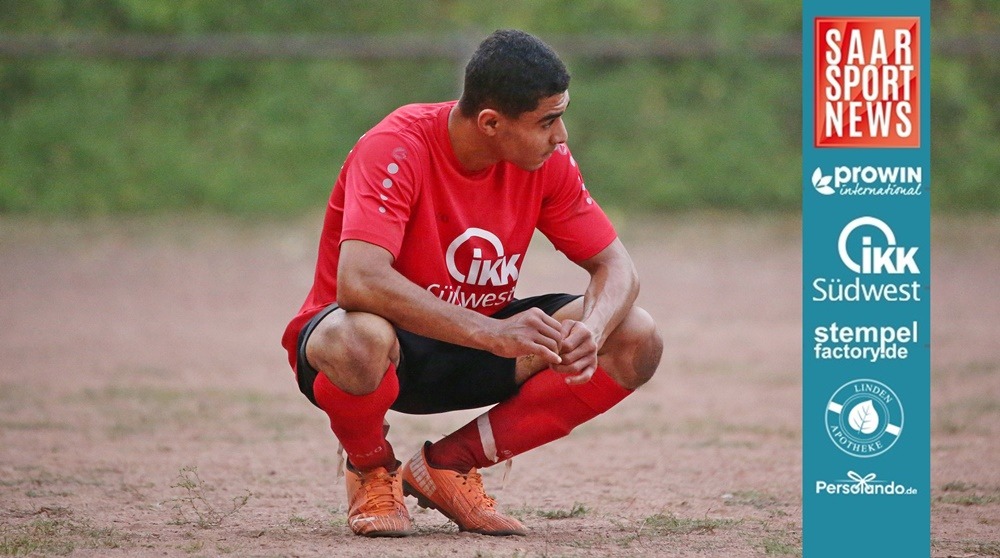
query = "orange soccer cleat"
{"x": 460, "y": 497}
{"x": 376, "y": 503}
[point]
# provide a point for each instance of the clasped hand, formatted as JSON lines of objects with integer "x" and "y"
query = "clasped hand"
{"x": 569, "y": 347}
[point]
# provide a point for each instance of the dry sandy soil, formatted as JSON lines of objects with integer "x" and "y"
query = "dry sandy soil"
{"x": 146, "y": 408}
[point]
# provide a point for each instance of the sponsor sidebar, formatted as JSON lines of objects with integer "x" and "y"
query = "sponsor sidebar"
{"x": 866, "y": 278}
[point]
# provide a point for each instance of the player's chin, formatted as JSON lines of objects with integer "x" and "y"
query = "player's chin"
{"x": 535, "y": 164}
{"x": 530, "y": 166}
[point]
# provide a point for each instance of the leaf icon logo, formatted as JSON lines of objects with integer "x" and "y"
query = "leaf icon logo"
{"x": 864, "y": 417}
{"x": 822, "y": 183}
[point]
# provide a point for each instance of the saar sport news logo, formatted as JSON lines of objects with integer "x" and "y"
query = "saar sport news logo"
{"x": 868, "y": 485}
{"x": 869, "y": 181}
{"x": 868, "y": 247}
{"x": 475, "y": 259}
{"x": 864, "y": 418}
{"x": 866, "y": 82}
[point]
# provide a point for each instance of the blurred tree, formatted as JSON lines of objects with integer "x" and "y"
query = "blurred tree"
{"x": 266, "y": 137}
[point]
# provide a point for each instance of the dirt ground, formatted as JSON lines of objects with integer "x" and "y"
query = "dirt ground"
{"x": 146, "y": 408}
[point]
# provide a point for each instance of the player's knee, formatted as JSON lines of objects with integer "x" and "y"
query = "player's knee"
{"x": 354, "y": 351}
{"x": 636, "y": 350}
{"x": 649, "y": 348}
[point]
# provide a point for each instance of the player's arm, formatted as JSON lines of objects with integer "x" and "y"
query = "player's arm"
{"x": 367, "y": 282}
{"x": 613, "y": 288}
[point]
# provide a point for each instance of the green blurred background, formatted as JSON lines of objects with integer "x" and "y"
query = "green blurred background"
{"x": 718, "y": 127}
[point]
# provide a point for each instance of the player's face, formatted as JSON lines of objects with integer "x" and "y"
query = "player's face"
{"x": 529, "y": 140}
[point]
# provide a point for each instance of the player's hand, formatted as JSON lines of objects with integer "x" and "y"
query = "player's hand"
{"x": 532, "y": 332}
{"x": 578, "y": 350}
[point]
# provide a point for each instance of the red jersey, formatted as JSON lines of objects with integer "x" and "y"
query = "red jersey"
{"x": 460, "y": 235}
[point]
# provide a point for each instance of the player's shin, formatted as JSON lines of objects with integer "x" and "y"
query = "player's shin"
{"x": 356, "y": 420}
{"x": 545, "y": 409}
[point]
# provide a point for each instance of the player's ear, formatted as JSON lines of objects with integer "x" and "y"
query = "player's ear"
{"x": 487, "y": 121}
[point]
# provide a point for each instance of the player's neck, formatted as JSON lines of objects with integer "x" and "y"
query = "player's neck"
{"x": 470, "y": 147}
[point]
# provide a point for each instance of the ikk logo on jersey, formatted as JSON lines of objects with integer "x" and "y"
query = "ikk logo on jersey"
{"x": 867, "y": 76}
{"x": 497, "y": 271}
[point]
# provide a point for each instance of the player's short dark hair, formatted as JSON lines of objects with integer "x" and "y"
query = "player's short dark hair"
{"x": 511, "y": 72}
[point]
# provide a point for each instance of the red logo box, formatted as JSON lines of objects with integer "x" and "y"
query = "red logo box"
{"x": 867, "y": 82}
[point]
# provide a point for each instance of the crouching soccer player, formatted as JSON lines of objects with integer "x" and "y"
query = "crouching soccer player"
{"x": 413, "y": 308}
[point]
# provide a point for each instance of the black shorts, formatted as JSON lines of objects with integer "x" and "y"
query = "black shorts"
{"x": 435, "y": 376}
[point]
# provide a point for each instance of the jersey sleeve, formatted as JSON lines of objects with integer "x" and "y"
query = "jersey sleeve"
{"x": 570, "y": 217}
{"x": 380, "y": 185}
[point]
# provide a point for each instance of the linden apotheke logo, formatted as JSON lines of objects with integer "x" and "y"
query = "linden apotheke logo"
{"x": 864, "y": 418}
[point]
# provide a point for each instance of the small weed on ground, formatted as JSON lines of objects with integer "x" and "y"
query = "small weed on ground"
{"x": 193, "y": 507}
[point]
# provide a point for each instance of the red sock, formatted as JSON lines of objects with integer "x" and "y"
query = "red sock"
{"x": 357, "y": 419}
{"x": 545, "y": 409}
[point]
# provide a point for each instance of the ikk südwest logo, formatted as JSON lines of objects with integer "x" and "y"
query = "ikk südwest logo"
{"x": 867, "y": 88}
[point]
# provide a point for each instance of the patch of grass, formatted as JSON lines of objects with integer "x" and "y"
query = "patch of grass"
{"x": 56, "y": 536}
{"x": 578, "y": 510}
{"x": 40, "y": 483}
{"x": 991, "y": 548}
{"x": 957, "y": 486}
{"x": 946, "y": 425}
{"x": 138, "y": 410}
{"x": 967, "y": 494}
{"x": 775, "y": 546}
{"x": 972, "y": 414}
{"x": 193, "y": 507}
{"x": 48, "y": 493}
{"x": 718, "y": 442}
{"x": 193, "y": 547}
{"x": 970, "y": 499}
{"x": 987, "y": 549}
{"x": 980, "y": 368}
{"x": 753, "y": 498}
{"x": 669, "y": 524}
{"x": 33, "y": 425}
{"x": 279, "y": 423}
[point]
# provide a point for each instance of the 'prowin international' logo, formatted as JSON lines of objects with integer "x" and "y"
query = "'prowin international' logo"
{"x": 869, "y": 181}
{"x": 482, "y": 269}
